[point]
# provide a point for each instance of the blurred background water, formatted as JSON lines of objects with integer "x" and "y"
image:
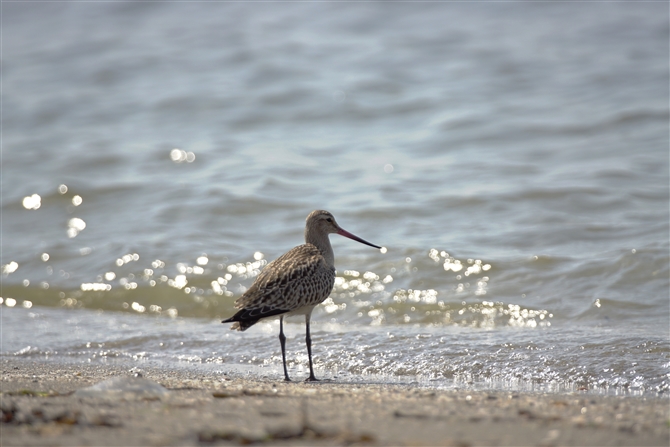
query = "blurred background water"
{"x": 511, "y": 157}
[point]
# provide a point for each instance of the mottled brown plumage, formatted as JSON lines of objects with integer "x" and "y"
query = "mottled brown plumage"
{"x": 295, "y": 282}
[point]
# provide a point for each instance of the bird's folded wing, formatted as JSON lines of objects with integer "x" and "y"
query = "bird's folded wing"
{"x": 283, "y": 279}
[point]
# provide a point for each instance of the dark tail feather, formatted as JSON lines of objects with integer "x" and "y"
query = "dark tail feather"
{"x": 246, "y": 318}
{"x": 240, "y": 325}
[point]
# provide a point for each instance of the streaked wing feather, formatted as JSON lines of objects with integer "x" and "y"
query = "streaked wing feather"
{"x": 300, "y": 275}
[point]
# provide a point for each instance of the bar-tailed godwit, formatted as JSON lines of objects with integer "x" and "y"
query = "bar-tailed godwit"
{"x": 294, "y": 283}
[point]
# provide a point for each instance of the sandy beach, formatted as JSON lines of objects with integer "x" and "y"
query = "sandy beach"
{"x": 51, "y": 404}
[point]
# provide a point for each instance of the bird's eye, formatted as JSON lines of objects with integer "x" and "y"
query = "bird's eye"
{"x": 330, "y": 220}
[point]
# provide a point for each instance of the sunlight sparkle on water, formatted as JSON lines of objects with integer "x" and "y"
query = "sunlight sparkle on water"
{"x": 10, "y": 268}
{"x": 76, "y": 225}
{"x": 179, "y": 282}
{"x": 96, "y": 287}
{"x": 137, "y": 307}
{"x": 128, "y": 285}
{"x": 217, "y": 288}
{"x": 180, "y": 156}
{"x": 125, "y": 259}
{"x": 32, "y": 202}
{"x": 453, "y": 264}
{"x": 372, "y": 298}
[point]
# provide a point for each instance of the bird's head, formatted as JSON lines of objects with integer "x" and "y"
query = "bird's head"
{"x": 323, "y": 222}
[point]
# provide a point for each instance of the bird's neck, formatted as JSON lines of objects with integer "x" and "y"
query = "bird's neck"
{"x": 321, "y": 242}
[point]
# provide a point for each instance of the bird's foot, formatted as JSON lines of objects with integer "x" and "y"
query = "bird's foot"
{"x": 312, "y": 379}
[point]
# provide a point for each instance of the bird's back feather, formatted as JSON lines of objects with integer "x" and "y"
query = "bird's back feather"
{"x": 299, "y": 278}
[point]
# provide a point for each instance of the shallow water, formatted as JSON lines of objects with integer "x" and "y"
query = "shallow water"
{"x": 512, "y": 158}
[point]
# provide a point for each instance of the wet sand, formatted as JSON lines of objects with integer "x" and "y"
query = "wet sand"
{"x": 41, "y": 406}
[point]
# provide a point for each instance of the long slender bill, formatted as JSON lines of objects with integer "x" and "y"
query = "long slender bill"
{"x": 344, "y": 233}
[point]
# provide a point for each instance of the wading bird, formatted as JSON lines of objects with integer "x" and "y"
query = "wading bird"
{"x": 294, "y": 283}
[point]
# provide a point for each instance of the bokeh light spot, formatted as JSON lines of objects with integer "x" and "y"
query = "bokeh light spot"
{"x": 180, "y": 156}
{"x": 76, "y": 225}
{"x": 10, "y": 268}
{"x": 32, "y": 202}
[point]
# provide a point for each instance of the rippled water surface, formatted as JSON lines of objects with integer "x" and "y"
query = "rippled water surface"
{"x": 512, "y": 159}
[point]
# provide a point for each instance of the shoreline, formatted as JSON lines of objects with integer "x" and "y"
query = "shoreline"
{"x": 41, "y": 406}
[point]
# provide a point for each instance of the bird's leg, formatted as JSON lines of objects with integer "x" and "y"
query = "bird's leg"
{"x": 282, "y": 341}
{"x": 308, "y": 341}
